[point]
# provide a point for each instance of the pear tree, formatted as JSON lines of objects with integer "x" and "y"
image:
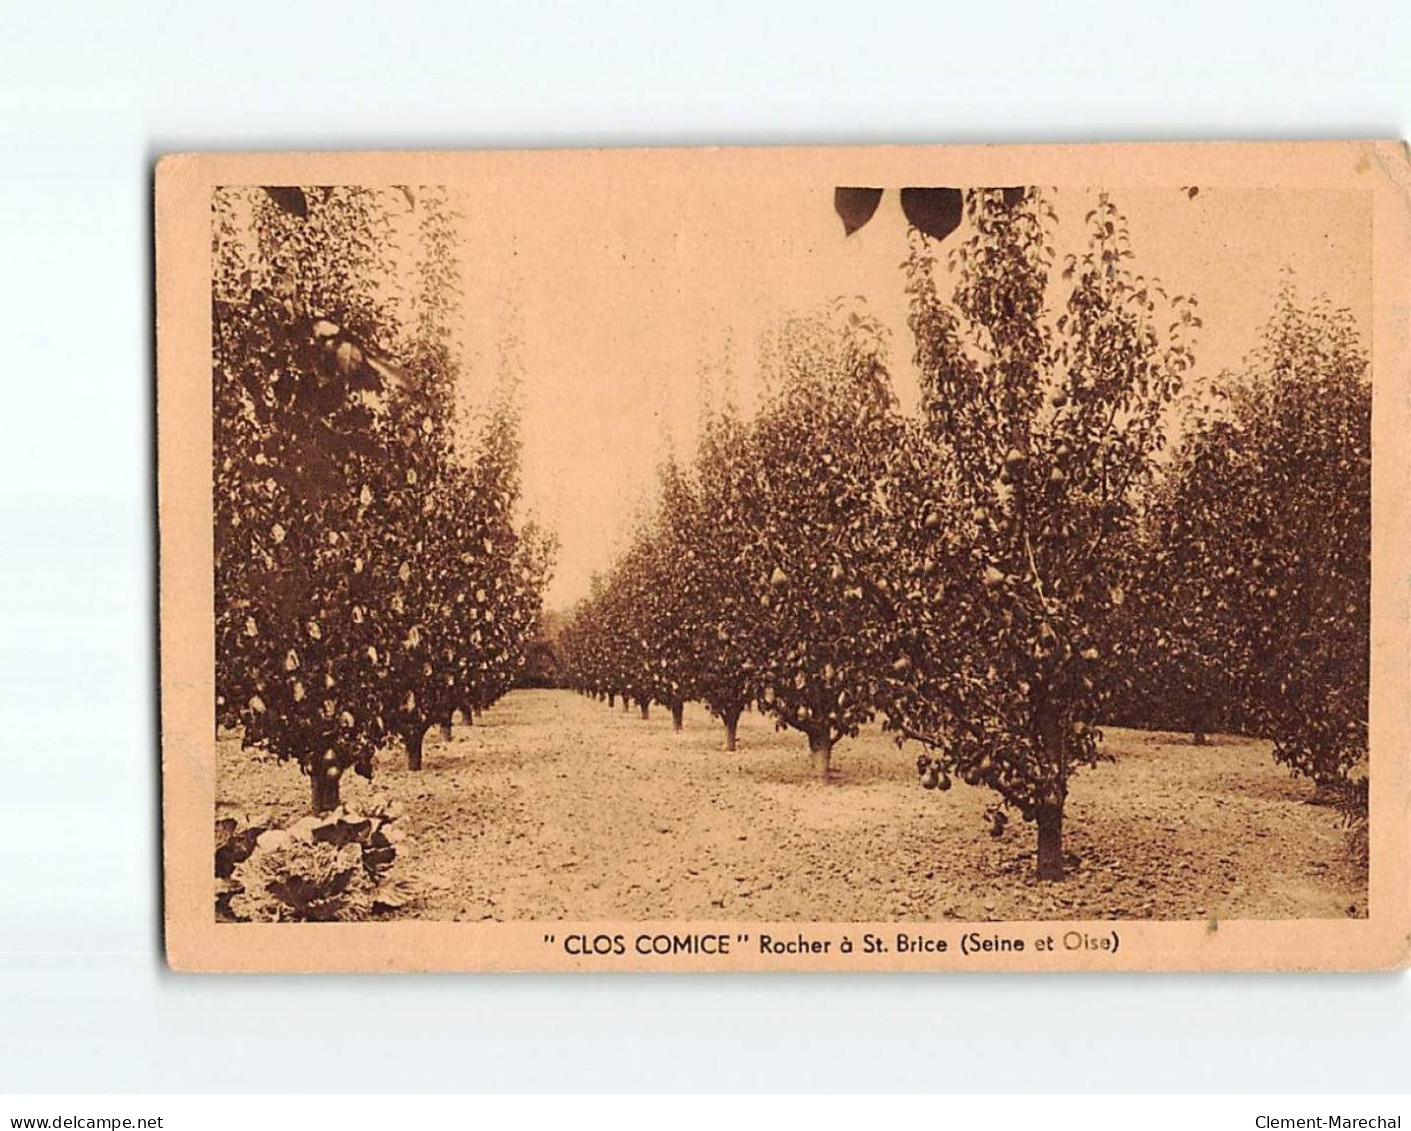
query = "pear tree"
{"x": 303, "y": 362}
{"x": 1044, "y": 401}
{"x": 1268, "y": 524}
{"x": 812, "y": 488}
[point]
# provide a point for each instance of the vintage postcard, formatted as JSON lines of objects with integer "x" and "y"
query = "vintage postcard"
{"x": 846, "y": 559}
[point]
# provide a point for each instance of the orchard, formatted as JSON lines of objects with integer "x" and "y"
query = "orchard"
{"x": 1029, "y": 567}
{"x": 1073, "y": 530}
{"x": 370, "y": 579}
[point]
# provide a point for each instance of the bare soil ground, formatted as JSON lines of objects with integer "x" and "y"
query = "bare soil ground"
{"x": 556, "y": 807}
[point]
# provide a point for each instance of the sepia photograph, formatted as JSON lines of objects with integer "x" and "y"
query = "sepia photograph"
{"x": 746, "y": 564}
{"x": 783, "y": 559}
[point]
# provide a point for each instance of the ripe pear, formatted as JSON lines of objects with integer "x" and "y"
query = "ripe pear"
{"x": 347, "y": 357}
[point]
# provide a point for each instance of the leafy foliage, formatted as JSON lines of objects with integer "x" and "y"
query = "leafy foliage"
{"x": 298, "y": 456}
{"x": 359, "y": 555}
{"x": 320, "y": 869}
{"x": 709, "y": 528}
{"x": 817, "y": 499}
{"x": 1044, "y": 423}
{"x": 1261, "y": 541}
{"x": 752, "y": 582}
{"x": 303, "y": 881}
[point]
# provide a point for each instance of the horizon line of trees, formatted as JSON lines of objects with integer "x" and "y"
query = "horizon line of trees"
{"x": 1063, "y": 537}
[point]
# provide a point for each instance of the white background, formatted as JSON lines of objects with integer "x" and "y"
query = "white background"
{"x": 91, "y": 94}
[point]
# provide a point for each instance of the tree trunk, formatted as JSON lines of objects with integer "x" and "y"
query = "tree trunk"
{"x": 1049, "y": 817}
{"x": 732, "y": 723}
{"x": 324, "y": 785}
{"x": 820, "y": 748}
{"x": 414, "y": 740}
{"x": 644, "y": 705}
{"x": 678, "y": 714}
{"x": 1050, "y": 821}
{"x": 1200, "y": 725}
{"x": 625, "y": 705}
{"x": 612, "y": 700}
{"x": 446, "y": 732}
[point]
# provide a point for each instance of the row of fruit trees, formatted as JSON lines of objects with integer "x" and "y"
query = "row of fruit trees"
{"x": 371, "y": 577}
{"x": 1073, "y": 530}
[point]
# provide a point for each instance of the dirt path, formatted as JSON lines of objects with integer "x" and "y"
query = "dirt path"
{"x": 555, "y": 807}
